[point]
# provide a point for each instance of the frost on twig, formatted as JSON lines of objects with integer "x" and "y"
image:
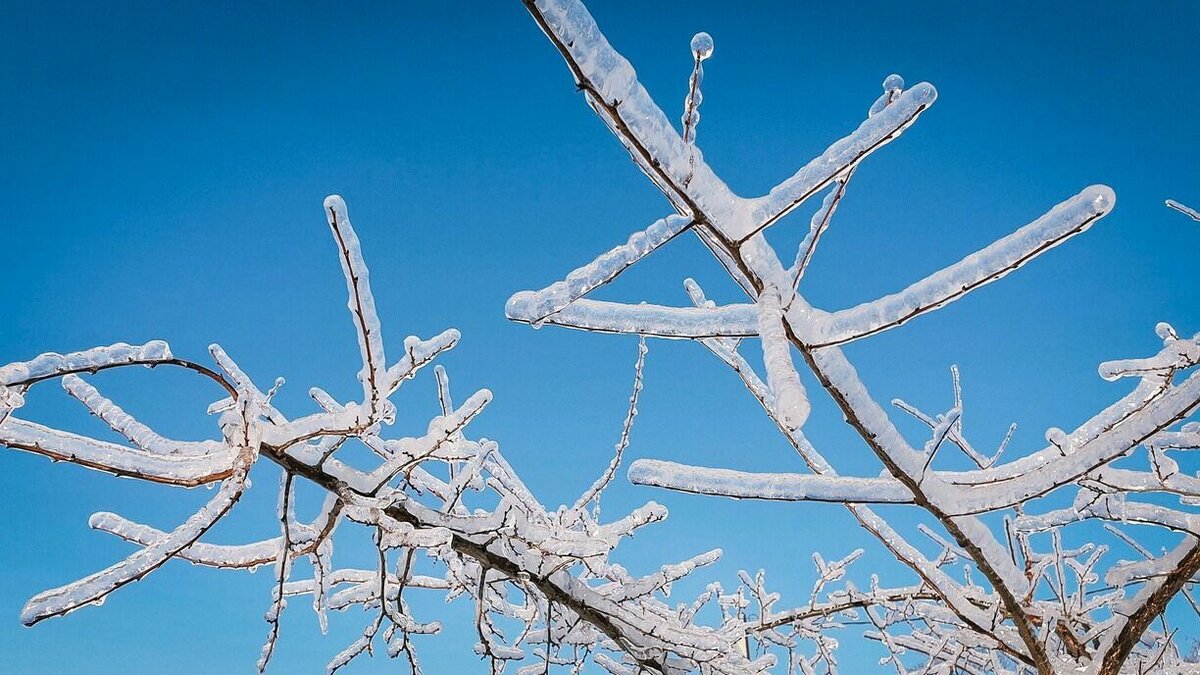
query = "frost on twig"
{"x": 1000, "y": 593}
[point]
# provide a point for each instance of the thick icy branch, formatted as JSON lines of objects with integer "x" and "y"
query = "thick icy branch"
{"x": 683, "y": 323}
{"x": 790, "y": 487}
{"x": 361, "y": 302}
{"x": 50, "y": 364}
{"x": 982, "y": 267}
{"x": 186, "y": 470}
{"x": 92, "y": 588}
{"x": 791, "y": 401}
{"x": 535, "y": 307}
{"x": 875, "y": 132}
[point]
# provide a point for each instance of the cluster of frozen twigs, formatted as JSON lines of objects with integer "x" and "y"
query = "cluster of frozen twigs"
{"x": 1024, "y": 603}
{"x": 542, "y": 582}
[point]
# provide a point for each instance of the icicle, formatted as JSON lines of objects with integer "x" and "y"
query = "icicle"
{"x": 702, "y": 49}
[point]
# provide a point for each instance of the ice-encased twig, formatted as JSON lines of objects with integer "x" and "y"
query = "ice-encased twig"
{"x": 185, "y": 470}
{"x": 993, "y": 262}
{"x": 874, "y": 132}
{"x": 142, "y": 436}
{"x": 361, "y": 303}
{"x": 50, "y": 364}
{"x": 95, "y": 587}
{"x": 597, "y": 487}
{"x": 681, "y": 323}
{"x": 769, "y": 486}
{"x": 614, "y": 92}
{"x": 1184, "y": 209}
{"x": 791, "y": 401}
{"x": 535, "y": 307}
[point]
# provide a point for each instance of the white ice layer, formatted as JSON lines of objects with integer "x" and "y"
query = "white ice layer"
{"x": 661, "y": 152}
{"x": 123, "y": 423}
{"x": 658, "y": 320}
{"x": 94, "y": 587}
{"x": 767, "y": 486}
{"x": 791, "y": 401}
{"x": 872, "y": 134}
{"x": 993, "y": 262}
{"x": 361, "y": 302}
{"x": 1184, "y": 209}
{"x": 535, "y": 306}
{"x": 178, "y": 469}
{"x": 51, "y": 364}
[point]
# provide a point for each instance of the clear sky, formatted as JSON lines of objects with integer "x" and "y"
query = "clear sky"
{"x": 165, "y": 165}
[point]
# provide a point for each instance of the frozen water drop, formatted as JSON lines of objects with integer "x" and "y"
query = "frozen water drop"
{"x": 702, "y": 45}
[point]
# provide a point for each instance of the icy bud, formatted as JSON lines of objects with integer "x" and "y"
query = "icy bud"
{"x": 702, "y": 46}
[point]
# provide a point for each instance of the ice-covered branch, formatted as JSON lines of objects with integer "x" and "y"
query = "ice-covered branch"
{"x": 989, "y": 264}
{"x": 1014, "y": 610}
{"x": 789, "y": 487}
{"x": 1184, "y": 209}
{"x": 439, "y": 495}
{"x": 535, "y": 307}
{"x": 361, "y": 303}
{"x": 95, "y": 587}
{"x": 185, "y": 470}
{"x": 684, "y": 323}
{"x": 841, "y": 157}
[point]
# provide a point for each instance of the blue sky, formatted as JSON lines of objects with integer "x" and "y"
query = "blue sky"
{"x": 165, "y": 166}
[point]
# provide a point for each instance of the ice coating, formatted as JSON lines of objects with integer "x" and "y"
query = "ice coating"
{"x": 123, "y": 423}
{"x": 791, "y": 401}
{"x": 361, "y": 302}
{"x": 872, "y": 134}
{"x": 212, "y": 555}
{"x": 1184, "y": 209}
{"x": 989, "y": 264}
{"x": 413, "y": 496}
{"x": 658, "y": 320}
{"x": 418, "y": 354}
{"x": 816, "y": 227}
{"x": 997, "y": 616}
{"x": 534, "y": 307}
{"x": 186, "y": 470}
{"x": 702, "y": 45}
{"x": 94, "y": 587}
{"x": 52, "y": 364}
{"x": 892, "y": 86}
{"x": 607, "y": 78}
{"x": 767, "y": 486}
{"x": 702, "y": 48}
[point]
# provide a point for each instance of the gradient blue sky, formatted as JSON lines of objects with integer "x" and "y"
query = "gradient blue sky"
{"x": 165, "y": 165}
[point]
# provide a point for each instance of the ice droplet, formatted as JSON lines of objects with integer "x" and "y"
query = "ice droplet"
{"x": 702, "y": 45}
